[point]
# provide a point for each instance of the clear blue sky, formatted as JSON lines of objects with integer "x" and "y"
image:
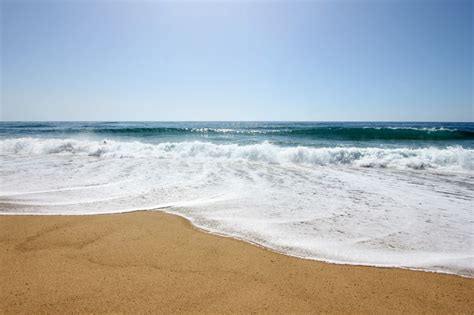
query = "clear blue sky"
{"x": 237, "y": 60}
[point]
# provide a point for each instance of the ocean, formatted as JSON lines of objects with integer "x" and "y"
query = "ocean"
{"x": 367, "y": 193}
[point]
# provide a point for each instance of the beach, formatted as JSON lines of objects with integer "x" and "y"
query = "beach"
{"x": 222, "y": 157}
{"x": 157, "y": 262}
{"x": 373, "y": 193}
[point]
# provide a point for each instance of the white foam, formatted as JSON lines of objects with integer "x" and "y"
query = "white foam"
{"x": 376, "y": 206}
{"x": 451, "y": 158}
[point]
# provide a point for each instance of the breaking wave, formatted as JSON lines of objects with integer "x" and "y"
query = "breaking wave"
{"x": 454, "y": 158}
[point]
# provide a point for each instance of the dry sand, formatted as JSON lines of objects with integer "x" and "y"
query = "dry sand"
{"x": 155, "y": 262}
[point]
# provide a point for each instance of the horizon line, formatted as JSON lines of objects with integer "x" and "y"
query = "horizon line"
{"x": 289, "y": 121}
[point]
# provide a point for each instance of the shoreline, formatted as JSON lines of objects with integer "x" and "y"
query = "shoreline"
{"x": 273, "y": 250}
{"x": 215, "y": 233}
{"x": 53, "y": 264}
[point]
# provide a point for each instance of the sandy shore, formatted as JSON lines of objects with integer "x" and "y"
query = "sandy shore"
{"x": 155, "y": 262}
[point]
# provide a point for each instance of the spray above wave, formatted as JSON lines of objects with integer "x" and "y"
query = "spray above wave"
{"x": 450, "y": 158}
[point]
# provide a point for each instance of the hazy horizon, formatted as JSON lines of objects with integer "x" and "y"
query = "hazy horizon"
{"x": 273, "y": 121}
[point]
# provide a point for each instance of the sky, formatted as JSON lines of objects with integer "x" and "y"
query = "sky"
{"x": 385, "y": 60}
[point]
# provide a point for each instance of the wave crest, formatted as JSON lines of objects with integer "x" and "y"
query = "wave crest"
{"x": 329, "y": 133}
{"x": 450, "y": 158}
{"x": 347, "y": 133}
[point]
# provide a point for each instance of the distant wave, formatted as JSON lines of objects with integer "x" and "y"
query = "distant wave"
{"x": 386, "y": 133}
{"x": 323, "y": 133}
{"x": 450, "y": 158}
{"x": 330, "y": 133}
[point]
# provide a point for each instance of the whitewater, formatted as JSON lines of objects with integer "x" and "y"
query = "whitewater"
{"x": 398, "y": 195}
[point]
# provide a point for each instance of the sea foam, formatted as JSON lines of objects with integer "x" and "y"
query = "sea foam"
{"x": 403, "y": 207}
{"x": 450, "y": 158}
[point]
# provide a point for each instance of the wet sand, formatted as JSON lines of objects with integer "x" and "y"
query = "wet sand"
{"x": 156, "y": 262}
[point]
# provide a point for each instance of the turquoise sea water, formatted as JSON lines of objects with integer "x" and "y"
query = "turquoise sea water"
{"x": 282, "y": 133}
